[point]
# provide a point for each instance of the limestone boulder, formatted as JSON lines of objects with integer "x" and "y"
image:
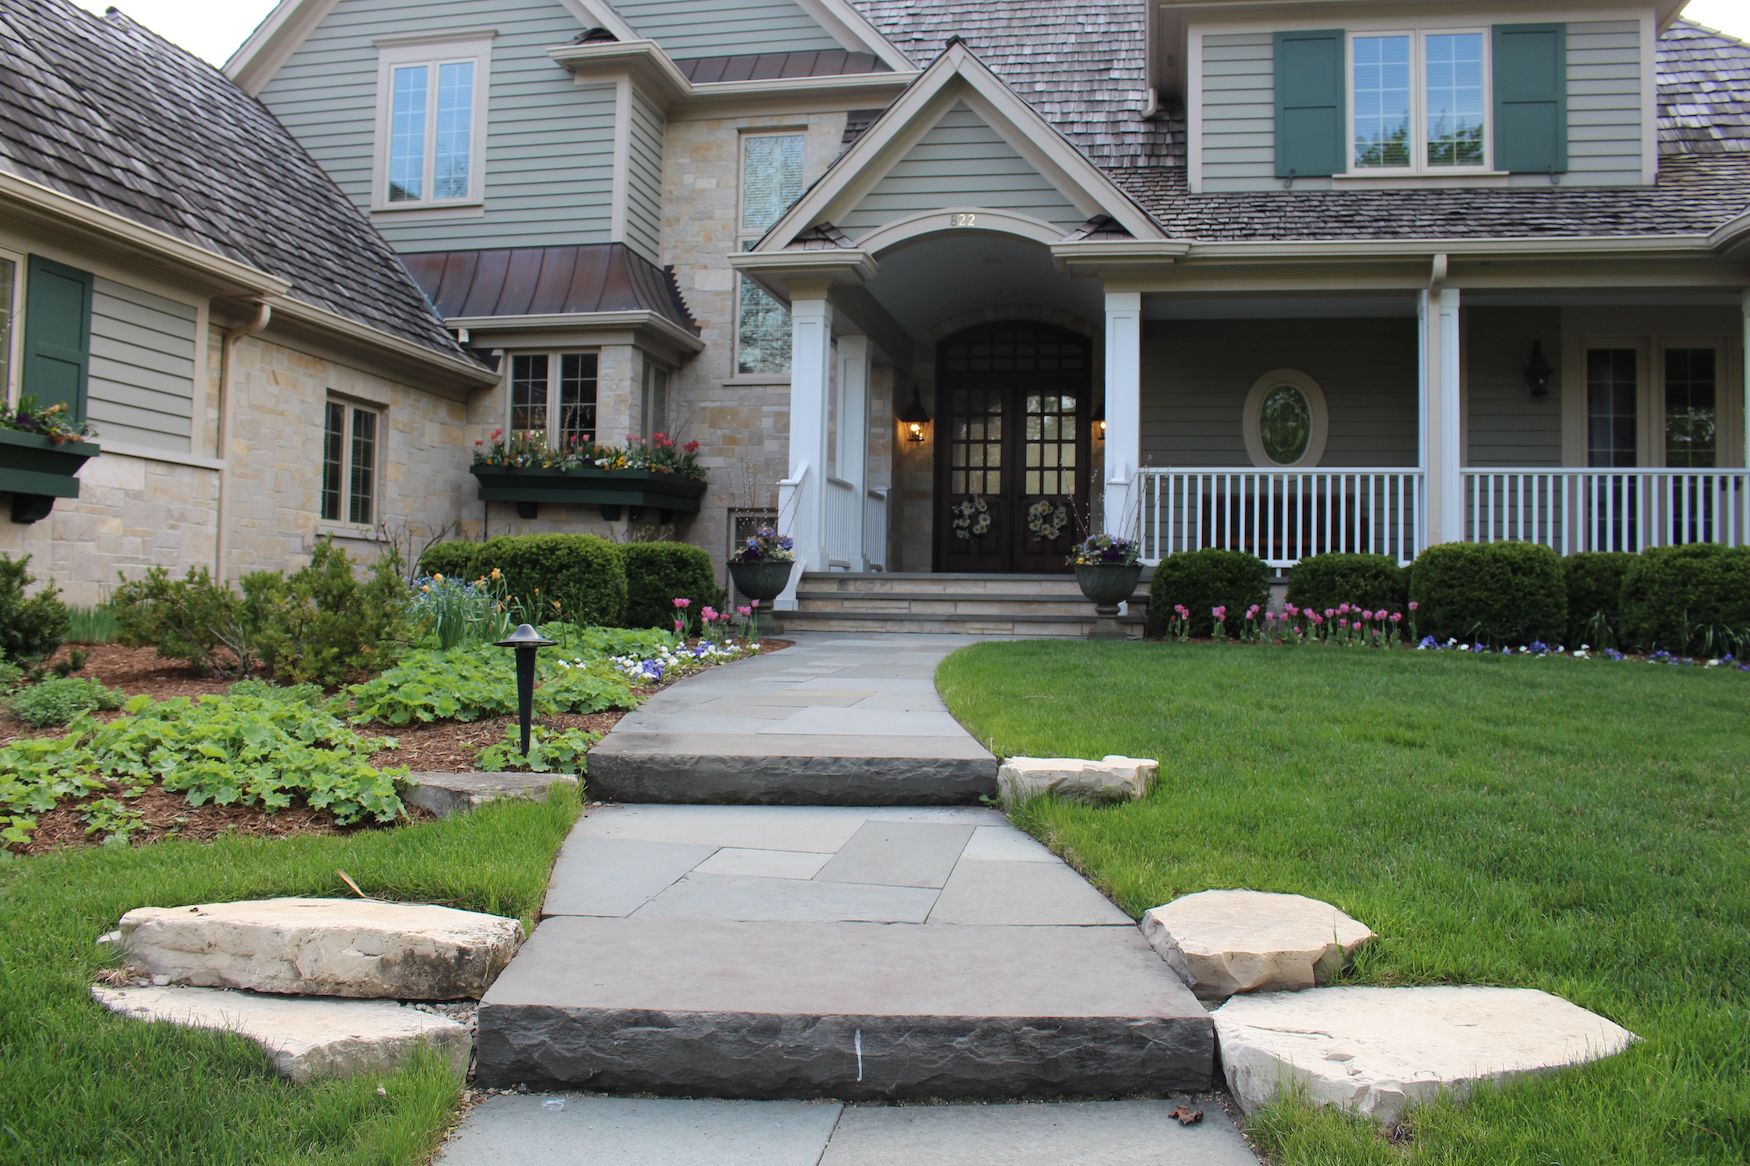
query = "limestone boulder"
{"x": 454, "y": 793}
{"x": 323, "y": 947}
{"x": 307, "y": 1038}
{"x": 1111, "y": 779}
{"x": 1225, "y": 942}
{"x": 1374, "y": 1051}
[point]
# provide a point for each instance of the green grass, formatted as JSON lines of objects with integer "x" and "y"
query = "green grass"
{"x": 1576, "y": 826}
{"x": 92, "y": 625}
{"x": 80, "y": 1085}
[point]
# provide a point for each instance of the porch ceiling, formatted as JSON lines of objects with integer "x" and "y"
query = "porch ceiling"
{"x": 932, "y": 280}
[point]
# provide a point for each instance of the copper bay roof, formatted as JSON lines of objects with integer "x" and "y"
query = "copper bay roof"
{"x": 548, "y": 281}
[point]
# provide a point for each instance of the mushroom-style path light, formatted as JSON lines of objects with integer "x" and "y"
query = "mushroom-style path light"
{"x": 527, "y": 641}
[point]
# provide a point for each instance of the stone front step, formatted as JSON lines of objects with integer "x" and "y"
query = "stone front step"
{"x": 878, "y": 622}
{"x": 954, "y": 604}
{"x": 933, "y": 603}
{"x": 854, "y": 1011}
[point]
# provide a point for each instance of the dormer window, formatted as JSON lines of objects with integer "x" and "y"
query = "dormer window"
{"x": 1418, "y": 101}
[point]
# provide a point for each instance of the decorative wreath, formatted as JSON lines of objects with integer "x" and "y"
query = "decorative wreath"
{"x": 1046, "y": 519}
{"x": 971, "y": 518}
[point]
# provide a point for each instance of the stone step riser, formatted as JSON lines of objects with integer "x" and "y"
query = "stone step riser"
{"x": 992, "y": 608}
{"x": 844, "y": 621}
{"x": 663, "y": 779}
{"x": 801, "y": 1056}
{"x": 1053, "y": 588}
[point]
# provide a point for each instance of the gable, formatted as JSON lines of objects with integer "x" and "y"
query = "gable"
{"x": 962, "y": 162}
{"x": 715, "y": 28}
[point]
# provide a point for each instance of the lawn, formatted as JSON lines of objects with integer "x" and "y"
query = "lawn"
{"x": 80, "y": 1085}
{"x": 1577, "y": 826}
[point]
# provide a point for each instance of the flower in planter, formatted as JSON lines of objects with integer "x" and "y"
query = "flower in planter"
{"x": 766, "y": 545}
{"x": 51, "y": 421}
{"x": 1105, "y": 549}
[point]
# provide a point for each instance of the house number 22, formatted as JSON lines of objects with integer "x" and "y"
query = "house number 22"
{"x": 963, "y": 219}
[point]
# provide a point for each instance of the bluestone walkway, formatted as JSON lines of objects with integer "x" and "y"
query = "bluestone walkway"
{"x": 835, "y": 720}
{"x": 757, "y": 966}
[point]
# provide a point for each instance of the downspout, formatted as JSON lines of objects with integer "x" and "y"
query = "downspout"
{"x": 227, "y": 345}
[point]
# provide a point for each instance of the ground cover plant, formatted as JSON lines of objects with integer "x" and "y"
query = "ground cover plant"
{"x": 1541, "y": 823}
{"x": 79, "y": 1085}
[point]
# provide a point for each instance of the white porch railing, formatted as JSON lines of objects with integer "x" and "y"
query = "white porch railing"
{"x": 875, "y": 530}
{"x": 1282, "y": 516}
{"x": 1607, "y": 509}
{"x": 841, "y": 524}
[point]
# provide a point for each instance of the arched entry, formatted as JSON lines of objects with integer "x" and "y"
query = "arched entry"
{"x": 1012, "y": 446}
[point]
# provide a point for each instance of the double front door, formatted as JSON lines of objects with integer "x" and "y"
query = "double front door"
{"x": 1012, "y": 455}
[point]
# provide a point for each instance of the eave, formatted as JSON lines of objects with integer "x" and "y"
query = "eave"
{"x": 661, "y": 80}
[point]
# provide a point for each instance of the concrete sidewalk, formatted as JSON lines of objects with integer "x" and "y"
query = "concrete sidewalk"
{"x": 835, "y": 720}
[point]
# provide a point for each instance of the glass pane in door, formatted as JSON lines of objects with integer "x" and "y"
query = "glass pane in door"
{"x": 1610, "y": 407}
{"x": 1691, "y": 409}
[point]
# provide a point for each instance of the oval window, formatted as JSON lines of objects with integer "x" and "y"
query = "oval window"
{"x": 1285, "y": 425}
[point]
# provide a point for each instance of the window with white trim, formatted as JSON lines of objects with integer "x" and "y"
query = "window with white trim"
{"x": 554, "y": 394}
{"x": 431, "y": 118}
{"x": 1418, "y": 102}
{"x": 654, "y": 398}
{"x": 351, "y": 445}
{"x": 9, "y": 268}
{"x": 1286, "y": 422}
{"x": 771, "y": 179}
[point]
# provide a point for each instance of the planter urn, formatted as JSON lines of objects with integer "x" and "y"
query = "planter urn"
{"x": 764, "y": 580}
{"x": 1106, "y": 585}
{"x": 36, "y": 471}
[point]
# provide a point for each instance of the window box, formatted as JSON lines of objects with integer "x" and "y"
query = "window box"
{"x": 36, "y": 471}
{"x": 615, "y": 491}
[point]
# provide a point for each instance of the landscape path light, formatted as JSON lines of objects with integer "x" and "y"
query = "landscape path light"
{"x": 527, "y": 641}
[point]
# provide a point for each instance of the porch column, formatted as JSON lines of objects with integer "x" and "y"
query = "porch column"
{"x": 1442, "y": 485}
{"x": 802, "y": 495}
{"x": 1123, "y": 408}
{"x": 1744, "y": 415}
{"x": 853, "y": 437}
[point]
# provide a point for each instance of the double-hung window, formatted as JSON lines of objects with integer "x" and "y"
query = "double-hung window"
{"x": 554, "y": 394}
{"x": 350, "y": 447}
{"x": 431, "y": 120}
{"x": 771, "y": 179}
{"x": 1419, "y": 102}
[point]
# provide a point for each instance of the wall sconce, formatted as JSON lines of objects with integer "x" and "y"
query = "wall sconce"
{"x": 1098, "y": 420}
{"x": 915, "y": 421}
{"x": 1538, "y": 373}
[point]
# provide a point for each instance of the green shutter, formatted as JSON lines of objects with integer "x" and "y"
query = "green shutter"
{"x": 1310, "y": 104}
{"x": 57, "y": 335}
{"x": 1531, "y": 98}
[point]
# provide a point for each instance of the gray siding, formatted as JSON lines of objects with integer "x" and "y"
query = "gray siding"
{"x": 644, "y": 180}
{"x": 1505, "y": 424}
{"x": 962, "y": 162}
{"x": 142, "y": 367}
{"x": 1196, "y": 374}
{"x": 1239, "y": 113}
{"x": 1604, "y": 110}
{"x": 549, "y": 142}
{"x": 713, "y": 28}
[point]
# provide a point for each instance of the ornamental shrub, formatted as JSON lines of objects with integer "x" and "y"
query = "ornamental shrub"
{"x": 1201, "y": 580}
{"x": 1594, "y": 581}
{"x": 1693, "y": 599}
{"x": 657, "y": 574}
{"x": 196, "y": 619}
{"x": 578, "y": 578}
{"x": 57, "y": 701}
{"x": 1504, "y": 594}
{"x": 30, "y": 628}
{"x": 1321, "y": 582}
{"x": 456, "y": 559}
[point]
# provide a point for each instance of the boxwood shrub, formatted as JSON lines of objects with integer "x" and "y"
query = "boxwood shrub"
{"x": 455, "y": 559}
{"x": 1693, "y": 599}
{"x": 1504, "y": 594}
{"x": 1594, "y": 580}
{"x": 33, "y": 626}
{"x": 1201, "y": 580}
{"x": 579, "y": 578}
{"x": 1325, "y": 581}
{"x": 658, "y": 573}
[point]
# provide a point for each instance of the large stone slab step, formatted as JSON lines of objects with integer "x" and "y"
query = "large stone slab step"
{"x": 971, "y": 624}
{"x": 635, "y": 768}
{"x": 856, "y": 1011}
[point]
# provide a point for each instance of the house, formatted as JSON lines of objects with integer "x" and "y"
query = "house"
{"x": 937, "y": 284}
{"x": 258, "y": 365}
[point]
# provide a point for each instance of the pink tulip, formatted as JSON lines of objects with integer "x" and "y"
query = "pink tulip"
{"x": 1269, "y": 617}
{"x": 683, "y": 603}
{"x": 1414, "y": 605}
{"x": 1330, "y": 613}
{"x": 1367, "y": 615}
{"x": 1344, "y": 624}
{"x": 744, "y": 611}
{"x": 1343, "y": 609}
{"x": 1397, "y": 617}
{"x": 1220, "y": 613}
{"x": 756, "y": 603}
{"x": 709, "y": 614}
{"x": 1291, "y": 610}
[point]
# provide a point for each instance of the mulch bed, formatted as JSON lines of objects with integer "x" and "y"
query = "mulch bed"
{"x": 447, "y": 747}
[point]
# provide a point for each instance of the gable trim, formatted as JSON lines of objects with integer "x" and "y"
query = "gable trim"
{"x": 854, "y": 30}
{"x": 956, "y": 75}
{"x": 930, "y": 223}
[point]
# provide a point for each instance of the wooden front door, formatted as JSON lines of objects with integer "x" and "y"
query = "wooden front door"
{"x": 1012, "y": 447}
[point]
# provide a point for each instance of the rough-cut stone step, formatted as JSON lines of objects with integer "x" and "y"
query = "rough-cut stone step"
{"x": 1009, "y": 624}
{"x": 454, "y": 793}
{"x": 843, "y": 771}
{"x": 1112, "y": 779}
{"x": 323, "y": 947}
{"x": 1224, "y": 942}
{"x": 1374, "y": 1051}
{"x": 846, "y": 1010}
{"x": 307, "y": 1038}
